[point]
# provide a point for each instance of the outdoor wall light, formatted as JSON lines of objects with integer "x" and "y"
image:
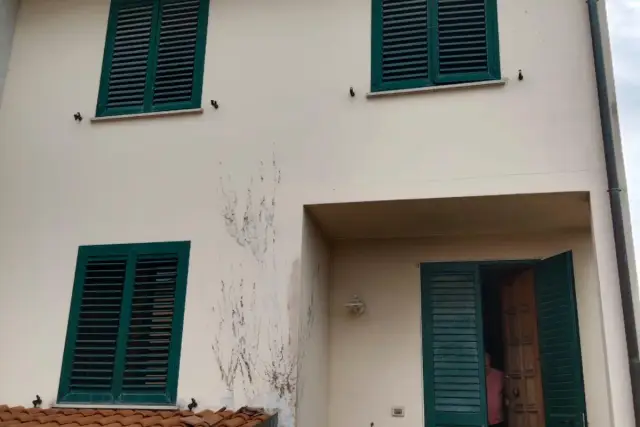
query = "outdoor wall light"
{"x": 355, "y": 306}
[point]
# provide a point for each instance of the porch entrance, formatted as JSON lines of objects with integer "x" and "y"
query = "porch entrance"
{"x": 524, "y": 315}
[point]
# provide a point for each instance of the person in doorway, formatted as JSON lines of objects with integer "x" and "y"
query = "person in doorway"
{"x": 495, "y": 386}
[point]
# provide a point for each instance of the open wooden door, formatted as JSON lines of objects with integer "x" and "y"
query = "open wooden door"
{"x": 560, "y": 343}
{"x": 523, "y": 383}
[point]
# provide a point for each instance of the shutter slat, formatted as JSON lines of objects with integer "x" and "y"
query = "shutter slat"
{"x": 149, "y": 339}
{"x": 404, "y": 24}
{"x": 98, "y": 324}
{"x": 130, "y": 55}
{"x": 176, "y": 52}
{"x": 462, "y": 21}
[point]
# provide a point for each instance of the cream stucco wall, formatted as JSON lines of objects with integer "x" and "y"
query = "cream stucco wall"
{"x": 286, "y": 134}
{"x": 313, "y": 329}
{"x": 375, "y": 361}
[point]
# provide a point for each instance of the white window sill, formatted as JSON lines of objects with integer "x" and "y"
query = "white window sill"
{"x": 472, "y": 85}
{"x": 146, "y": 115}
{"x": 121, "y": 406}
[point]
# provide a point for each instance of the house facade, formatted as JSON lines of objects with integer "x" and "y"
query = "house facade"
{"x": 330, "y": 209}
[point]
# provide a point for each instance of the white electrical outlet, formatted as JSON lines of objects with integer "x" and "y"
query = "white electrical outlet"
{"x": 397, "y": 411}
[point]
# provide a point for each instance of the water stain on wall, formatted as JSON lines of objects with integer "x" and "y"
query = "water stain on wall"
{"x": 254, "y": 345}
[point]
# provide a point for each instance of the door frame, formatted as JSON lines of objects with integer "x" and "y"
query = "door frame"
{"x": 478, "y": 264}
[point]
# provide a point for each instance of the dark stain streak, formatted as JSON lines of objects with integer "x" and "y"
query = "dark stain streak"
{"x": 239, "y": 323}
{"x": 307, "y": 329}
{"x": 250, "y": 222}
{"x": 256, "y": 229}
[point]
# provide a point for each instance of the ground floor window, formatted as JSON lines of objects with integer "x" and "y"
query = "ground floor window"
{"x": 125, "y": 324}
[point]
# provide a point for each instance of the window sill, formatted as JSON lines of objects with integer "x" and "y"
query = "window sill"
{"x": 146, "y": 115}
{"x": 472, "y": 85}
{"x": 114, "y": 406}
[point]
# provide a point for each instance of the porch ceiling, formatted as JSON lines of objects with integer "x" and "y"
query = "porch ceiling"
{"x": 523, "y": 213}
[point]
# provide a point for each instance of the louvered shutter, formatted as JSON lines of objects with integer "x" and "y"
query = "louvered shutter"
{"x": 97, "y": 319}
{"x": 154, "y": 56}
{"x": 150, "y": 328}
{"x": 400, "y": 53}
{"x": 125, "y": 326}
{"x": 176, "y": 56}
{"x": 453, "y": 352}
{"x": 127, "y": 57}
{"x": 418, "y": 43}
{"x": 560, "y": 355}
{"x": 466, "y": 49}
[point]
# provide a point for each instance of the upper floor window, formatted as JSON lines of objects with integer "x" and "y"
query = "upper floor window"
{"x": 153, "y": 56}
{"x": 418, "y": 43}
{"x": 125, "y": 324}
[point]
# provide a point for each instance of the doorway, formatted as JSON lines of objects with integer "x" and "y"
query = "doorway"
{"x": 524, "y": 314}
{"x": 509, "y": 317}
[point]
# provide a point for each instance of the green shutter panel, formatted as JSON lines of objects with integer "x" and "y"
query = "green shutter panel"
{"x": 154, "y": 332}
{"x": 453, "y": 351}
{"x": 178, "y": 58}
{"x": 149, "y": 338}
{"x": 560, "y": 354}
{"x": 400, "y": 51}
{"x": 129, "y": 38}
{"x": 467, "y": 44}
{"x": 97, "y": 315}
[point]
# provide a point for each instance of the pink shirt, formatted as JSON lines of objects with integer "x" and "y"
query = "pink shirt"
{"x": 495, "y": 384}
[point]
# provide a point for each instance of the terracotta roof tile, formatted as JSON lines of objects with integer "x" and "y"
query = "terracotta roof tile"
{"x": 127, "y": 412}
{"x": 192, "y": 420}
{"x": 19, "y": 416}
{"x": 131, "y": 419}
{"x": 90, "y": 418}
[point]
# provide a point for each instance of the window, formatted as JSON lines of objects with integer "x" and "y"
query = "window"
{"x": 418, "y": 43}
{"x": 125, "y": 324}
{"x": 153, "y": 56}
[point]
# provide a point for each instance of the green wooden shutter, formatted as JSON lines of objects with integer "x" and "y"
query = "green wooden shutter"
{"x": 150, "y": 335}
{"x": 467, "y": 42}
{"x": 178, "y": 55}
{"x": 96, "y": 319}
{"x": 154, "y": 56}
{"x": 453, "y": 351}
{"x": 125, "y": 324}
{"x": 126, "y": 58}
{"x": 399, "y": 51}
{"x": 417, "y": 43}
{"x": 560, "y": 354}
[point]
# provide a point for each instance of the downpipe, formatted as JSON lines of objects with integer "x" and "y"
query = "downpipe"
{"x": 615, "y": 200}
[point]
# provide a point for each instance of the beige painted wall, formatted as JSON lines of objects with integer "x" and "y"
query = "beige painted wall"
{"x": 313, "y": 329}
{"x": 375, "y": 361}
{"x": 288, "y": 133}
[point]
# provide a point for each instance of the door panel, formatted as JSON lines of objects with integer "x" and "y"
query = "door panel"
{"x": 559, "y": 342}
{"x": 523, "y": 385}
{"x": 453, "y": 351}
